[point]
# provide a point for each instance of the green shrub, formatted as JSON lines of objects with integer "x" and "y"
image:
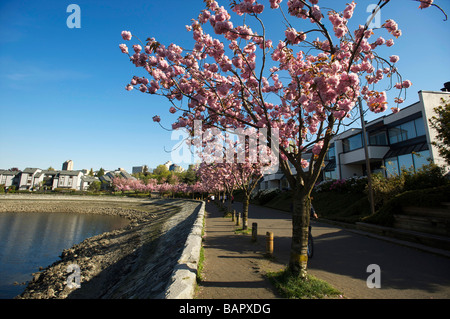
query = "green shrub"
{"x": 427, "y": 176}
{"x": 430, "y": 197}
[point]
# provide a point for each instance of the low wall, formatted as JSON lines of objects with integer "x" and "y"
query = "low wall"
{"x": 184, "y": 277}
{"x": 155, "y": 257}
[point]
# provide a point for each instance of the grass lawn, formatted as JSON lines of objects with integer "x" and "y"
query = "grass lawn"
{"x": 295, "y": 288}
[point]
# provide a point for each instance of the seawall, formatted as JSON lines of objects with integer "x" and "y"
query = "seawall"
{"x": 155, "y": 256}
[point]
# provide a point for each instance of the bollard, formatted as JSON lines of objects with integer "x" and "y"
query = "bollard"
{"x": 269, "y": 243}
{"x": 233, "y": 216}
{"x": 254, "y": 231}
{"x": 237, "y": 218}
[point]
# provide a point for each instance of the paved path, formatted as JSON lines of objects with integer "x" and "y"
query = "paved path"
{"x": 232, "y": 266}
{"x": 341, "y": 258}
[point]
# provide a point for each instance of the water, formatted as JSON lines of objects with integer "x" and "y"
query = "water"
{"x": 32, "y": 240}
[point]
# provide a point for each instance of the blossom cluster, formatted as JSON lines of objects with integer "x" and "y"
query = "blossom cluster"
{"x": 223, "y": 86}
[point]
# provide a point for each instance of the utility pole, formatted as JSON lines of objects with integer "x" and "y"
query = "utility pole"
{"x": 366, "y": 151}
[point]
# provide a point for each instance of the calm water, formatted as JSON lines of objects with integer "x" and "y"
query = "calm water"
{"x": 32, "y": 240}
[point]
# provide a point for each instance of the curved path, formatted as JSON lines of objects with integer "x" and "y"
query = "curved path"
{"x": 234, "y": 265}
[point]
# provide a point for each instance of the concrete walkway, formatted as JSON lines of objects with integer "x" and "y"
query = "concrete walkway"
{"x": 234, "y": 264}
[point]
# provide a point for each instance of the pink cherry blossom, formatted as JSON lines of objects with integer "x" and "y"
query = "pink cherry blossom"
{"x": 123, "y": 48}
{"x": 126, "y": 35}
{"x": 425, "y": 4}
{"x": 394, "y": 58}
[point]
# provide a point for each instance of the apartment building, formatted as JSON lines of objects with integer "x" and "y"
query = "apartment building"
{"x": 395, "y": 141}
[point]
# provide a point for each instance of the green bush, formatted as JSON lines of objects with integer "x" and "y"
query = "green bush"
{"x": 430, "y": 197}
{"x": 427, "y": 176}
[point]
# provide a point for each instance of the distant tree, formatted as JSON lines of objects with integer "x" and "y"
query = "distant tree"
{"x": 189, "y": 177}
{"x": 91, "y": 172}
{"x": 100, "y": 172}
{"x": 441, "y": 123}
{"x": 50, "y": 169}
{"x": 160, "y": 169}
{"x": 95, "y": 186}
{"x": 145, "y": 170}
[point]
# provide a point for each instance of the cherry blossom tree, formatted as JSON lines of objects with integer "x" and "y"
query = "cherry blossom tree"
{"x": 305, "y": 83}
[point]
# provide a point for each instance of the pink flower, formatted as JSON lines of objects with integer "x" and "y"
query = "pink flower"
{"x": 129, "y": 87}
{"x": 394, "y": 58}
{"x": 317, "y": 148}
{"x": 126, "y": 35}
{"x": 137, "y": 48}
{"x": 425, "y": 4}
{"x": 390, "y": 42}
{"x": 123, "y": 48}
{"x": 275, "y": 4}
{"x": 172, "y": 110}
{"x": 156, "y": 118}
{"x": 406, "y": 84}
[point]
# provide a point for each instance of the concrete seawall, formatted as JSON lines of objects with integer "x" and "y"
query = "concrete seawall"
{"x": 184, "y": 276}
{"x": 156, "y": 256}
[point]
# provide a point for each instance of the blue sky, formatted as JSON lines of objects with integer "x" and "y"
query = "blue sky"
{"x": 62, "y": 90}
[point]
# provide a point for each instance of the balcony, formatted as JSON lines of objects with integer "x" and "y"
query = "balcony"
{"x": 358, "y": 157}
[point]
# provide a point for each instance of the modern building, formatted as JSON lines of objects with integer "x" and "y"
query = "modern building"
{"x": 67, "y": 165}
{"x": 137, "y": 169}
{"x": 396, "y": 141}
{"x": 9, "y": 178}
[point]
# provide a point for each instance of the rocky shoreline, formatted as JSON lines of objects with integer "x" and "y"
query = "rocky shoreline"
{"x": 136, "y": 261}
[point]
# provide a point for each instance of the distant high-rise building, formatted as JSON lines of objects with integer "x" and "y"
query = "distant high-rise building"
{"x": 67, "y": 165}
{"x": 137, "y": 169}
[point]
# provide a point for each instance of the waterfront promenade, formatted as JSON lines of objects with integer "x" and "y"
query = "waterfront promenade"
{"x": 234, "y": 266}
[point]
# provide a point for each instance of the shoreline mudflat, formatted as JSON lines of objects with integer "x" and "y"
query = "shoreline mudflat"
{"x": 136, "y": 261}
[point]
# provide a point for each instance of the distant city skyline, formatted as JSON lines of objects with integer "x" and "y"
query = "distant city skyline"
{"x": 62, "y": 90}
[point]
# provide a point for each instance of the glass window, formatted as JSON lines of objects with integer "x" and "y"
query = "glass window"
{"x": 331, "y": 153}
{"x": 408, "y": 130}
{"x": 421, "y": 159}
{"x": 330, "y": 175}
{"x": 378, "y": 138}
{"x": 406, "y": 162}
{"x": 420, "y": 127}
{"x": 391, "y": 165}
{"x": 395, "y": 135}
{"x": 352, "y": 143}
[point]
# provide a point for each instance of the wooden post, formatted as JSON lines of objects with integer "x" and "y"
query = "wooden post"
{"x": 233, "y": 216}
{"x": 269, "y": 243}
{"x": 254, "y": 231}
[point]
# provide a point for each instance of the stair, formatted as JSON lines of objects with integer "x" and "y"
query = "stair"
{"x": 435, "y": 221}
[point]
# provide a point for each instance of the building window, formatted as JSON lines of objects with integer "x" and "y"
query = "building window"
{"x": 406, "y": 131}
{"x": 352, "y": 143}
{"x": 330, "y": 175}
{"x": 378, "y": 138}
{"x": 421, "y": 158}
{"x": 420, "y": 127}
{"x": 406, "y": 162}
{"x": 331, "y": 154}
{"x": 391, "y": 165}
{"x": 3, "y": 179}
{"x": 413, "y": 161}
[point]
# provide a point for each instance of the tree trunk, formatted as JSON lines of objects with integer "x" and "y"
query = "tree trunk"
{"x": 245, "y": 205}
{"x": 300, "y": 228}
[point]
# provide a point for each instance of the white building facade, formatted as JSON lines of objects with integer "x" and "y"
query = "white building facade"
{"x": 396, "y": 141}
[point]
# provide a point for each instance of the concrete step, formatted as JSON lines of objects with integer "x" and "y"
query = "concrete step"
{"x": 432, "y": 240}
